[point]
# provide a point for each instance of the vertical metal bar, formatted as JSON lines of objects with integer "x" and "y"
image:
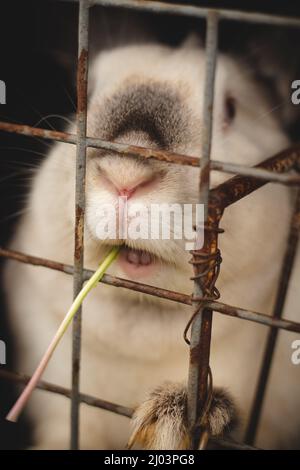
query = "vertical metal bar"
{"x": 201, "y": 326}
{"x": 82, "y": 72}
{"x": 286, "y": 270}
{"x": 211, "y": 47}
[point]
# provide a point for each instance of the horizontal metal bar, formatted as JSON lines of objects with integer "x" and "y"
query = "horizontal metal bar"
{"x": 99, "y": 403}
{"x": 165, "y": 156}
{"x": 258, "y": 173}
{"x": 238, "y": 187}
{"x": 106, "y": 279}
{"x": 83, "y": 397}
{"x": 201, "y": 12}
{"x": 255, "y": 317}
{"x": 219, "y": 307}
{"x": 38, "y": 132}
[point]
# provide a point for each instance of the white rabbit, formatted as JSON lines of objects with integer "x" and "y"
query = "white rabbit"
{"x": 152, "y": 96}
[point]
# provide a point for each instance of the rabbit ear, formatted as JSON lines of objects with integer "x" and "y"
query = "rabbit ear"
{"x": 192, "y": 41}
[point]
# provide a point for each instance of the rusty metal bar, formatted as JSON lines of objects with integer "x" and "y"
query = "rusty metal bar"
{"x": 103, "y": 404}
{"x": 255, "y": 317}
{"x": 125, "y": 149}
{"x": 83, "y": 397}
{"x": 286, "y": 271}
{"x": 201, "y": 325}
{"x": 106, "y": 279}
{"x": 221, "y": 197}
{"x": 219, "y": 307}
{"x": 238, "y": 187}
{"x": 161, "y": 155}
{"x": 258, "y": 172}
{"x": 82, "y": 73}
{"x": 200, "y": 12}
{"x": 38, "y": 132}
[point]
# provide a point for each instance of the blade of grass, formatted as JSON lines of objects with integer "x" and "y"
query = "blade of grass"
{"x": 92, "y": 282}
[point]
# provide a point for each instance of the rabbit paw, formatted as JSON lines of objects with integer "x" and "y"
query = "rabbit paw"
{"x": 160, "y": 422}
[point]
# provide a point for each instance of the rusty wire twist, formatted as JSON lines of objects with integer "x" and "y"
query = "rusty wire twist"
{"x": 210, "y": 262}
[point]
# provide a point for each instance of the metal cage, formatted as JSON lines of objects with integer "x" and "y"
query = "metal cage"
{"x": 206, "y": 261}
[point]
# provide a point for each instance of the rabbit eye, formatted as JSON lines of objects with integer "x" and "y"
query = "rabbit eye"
{"x": 230, "y": 110}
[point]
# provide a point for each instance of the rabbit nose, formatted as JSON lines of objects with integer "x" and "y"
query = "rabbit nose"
{"x": 126, "y": 177}
{"x": 125, "y": 192}
{"x": 128, "y": 188}
{"x": 140, "y": 186}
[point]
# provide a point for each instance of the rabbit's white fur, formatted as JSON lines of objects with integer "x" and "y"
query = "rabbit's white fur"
{"x": 133, "y": 342}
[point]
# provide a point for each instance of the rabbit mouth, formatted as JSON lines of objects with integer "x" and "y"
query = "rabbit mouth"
{"x": 137, "y": 263}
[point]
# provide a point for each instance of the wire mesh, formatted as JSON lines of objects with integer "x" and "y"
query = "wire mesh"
{"x": 204, "y": 299}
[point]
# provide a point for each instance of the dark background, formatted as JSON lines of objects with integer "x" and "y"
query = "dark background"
{"x": 38, "y": 47}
